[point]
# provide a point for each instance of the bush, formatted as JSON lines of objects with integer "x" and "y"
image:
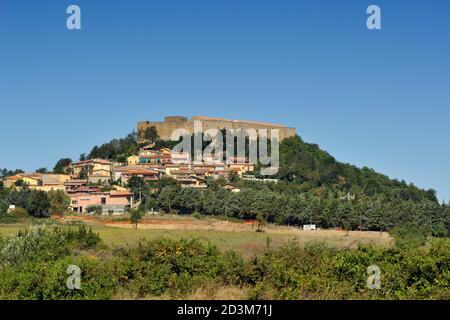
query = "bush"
{"x": 410, "y": 236}
{"x": 59, "y": 202}
{"x": 97, "y": 210}
{"x": 33, "y": 265}
{"x": 20, "y": 212}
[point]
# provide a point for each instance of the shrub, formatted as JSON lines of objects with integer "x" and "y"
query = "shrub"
{"x": 59, "y": 202}
{"x": 410, "y": 236}
{"x": 97, "y": 210}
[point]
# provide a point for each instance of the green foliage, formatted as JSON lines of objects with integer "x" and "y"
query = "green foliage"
{"x": 62, "y": 166}
{"x": 176, "y": 267}
{"x": 7, "y": 173}
{"x": 97, "y": 210}
{"x": 149, "y": 134}
{"x": 410, "y": 236}
{"x": 136, "y": 216}
{"x": 312, "y": 168}
{"x": 33, "y": 265}
{"x": 278, "y": 204}
{"x": 116, "y": 149}
{"x": 38, "y": 204}
{"x": 138, "y": 186}
{"x": 59, "y": 201}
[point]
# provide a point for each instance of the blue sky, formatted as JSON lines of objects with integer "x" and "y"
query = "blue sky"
{"x": 372, "y": 98}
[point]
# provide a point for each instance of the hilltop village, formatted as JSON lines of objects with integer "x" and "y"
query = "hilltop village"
{"x": 86, "y": 181}
{"x": 102, "y": 183}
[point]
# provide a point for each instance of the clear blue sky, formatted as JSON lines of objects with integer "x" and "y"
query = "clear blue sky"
{"x": 372, "y": 98}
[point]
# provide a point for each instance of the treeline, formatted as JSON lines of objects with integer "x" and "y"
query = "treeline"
{"x": 34, "y": 203}
{"x": 269, "y": 202}
{"x": 119, "y": 149}
{"x": 7, "y": 173}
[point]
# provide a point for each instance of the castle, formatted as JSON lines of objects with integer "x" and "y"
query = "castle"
{"x": 172, "y": 123}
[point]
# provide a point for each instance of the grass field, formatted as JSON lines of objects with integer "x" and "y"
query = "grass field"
{"x": 225, "y": 234}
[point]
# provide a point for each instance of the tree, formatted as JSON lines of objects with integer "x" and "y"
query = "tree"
{"x": 20, "y": 183}
{"x": 59, "y": 202}
{"x": 137, "y": 185}
{"x": 83, "y": 173}
{"x": 135, "y": 216}
{"x": 168, "y": 197}
{"x": 38, "y": 204}
{"x": 97, "y": 210}
{"x": 233, "y": 178}
{"x": 42, "y": 170}
{"x": 7, "y": 173}
{"x": 261, "y": 222}
{"x": 62, "y": 166}
{"x": 149, "y": 134}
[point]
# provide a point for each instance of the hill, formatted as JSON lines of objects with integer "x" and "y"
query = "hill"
{"x": 313, "y": 188}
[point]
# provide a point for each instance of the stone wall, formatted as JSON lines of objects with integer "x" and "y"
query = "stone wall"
{"x": 172, "y": 123}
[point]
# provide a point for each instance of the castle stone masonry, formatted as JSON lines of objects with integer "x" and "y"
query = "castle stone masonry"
{"x": 172, "y": 123}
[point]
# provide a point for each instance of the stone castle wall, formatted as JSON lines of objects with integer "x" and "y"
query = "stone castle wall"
{"x": 172, "y": 123}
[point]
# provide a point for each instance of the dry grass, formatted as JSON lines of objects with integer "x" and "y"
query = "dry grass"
{"x": 226, "y": 235}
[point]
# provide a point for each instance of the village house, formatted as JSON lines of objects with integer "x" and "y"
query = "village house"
{"x": 50, "y": 181}
{"x": 74, "y": 185}
{"x": 155, "y": 159}
{"x": 133, "y": 160}
{"x": 117, "y": 202}
{"x": 146, "y": 174}
{"x": 185, "y": 172}
{"x": 192, "y": 181}
{"x": 25, "y": 179}
{"x": 168, "y": 168}
{"x": 180, "y": 157}
{"x": 95, "y": 170}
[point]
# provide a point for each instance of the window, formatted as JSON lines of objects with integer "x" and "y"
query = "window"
{"x": 103, "y": 200}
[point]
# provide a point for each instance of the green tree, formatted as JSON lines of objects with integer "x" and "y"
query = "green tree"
{"x": 59, "y": 202}
{"x": 149, "y": 134}
{"x": 135, "y": 216}
{"x": 42, "y": 170}
{"x": 138, "y": 186}
{"x": 261, "y": 222}
{"x": 62, "y": 166}
{"x": 168, "y": 197}
{"x": 38, "y": 204}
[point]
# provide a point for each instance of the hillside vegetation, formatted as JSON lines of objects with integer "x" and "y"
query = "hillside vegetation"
{"x": 313, "y": 188}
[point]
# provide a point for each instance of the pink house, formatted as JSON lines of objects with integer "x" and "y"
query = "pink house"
{"x": 116, "y": 201}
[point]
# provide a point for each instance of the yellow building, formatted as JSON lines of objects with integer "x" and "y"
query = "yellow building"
{"x": 133, "y": 160}
{"x": 93, "y": 167}
{"x": 24, "y": 178}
